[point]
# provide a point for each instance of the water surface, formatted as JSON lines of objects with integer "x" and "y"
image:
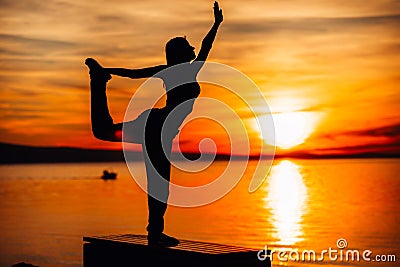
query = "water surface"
{"x": 46, "y": 209}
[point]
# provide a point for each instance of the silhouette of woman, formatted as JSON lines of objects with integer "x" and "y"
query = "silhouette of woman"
{"x": 150, "y": 129}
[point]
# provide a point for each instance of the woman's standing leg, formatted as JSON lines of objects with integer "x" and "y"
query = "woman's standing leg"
{"x": 158, "y": 168}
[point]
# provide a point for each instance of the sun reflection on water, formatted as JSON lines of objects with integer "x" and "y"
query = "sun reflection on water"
{"x": 287, "y": 196}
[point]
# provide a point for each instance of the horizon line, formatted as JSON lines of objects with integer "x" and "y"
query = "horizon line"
{"x": 223, "y": 156}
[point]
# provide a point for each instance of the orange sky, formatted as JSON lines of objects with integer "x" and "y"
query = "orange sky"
{"x": 328, "y": 69}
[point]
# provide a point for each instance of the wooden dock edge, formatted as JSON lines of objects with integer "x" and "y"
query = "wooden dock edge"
{"x": 132, "y": 250}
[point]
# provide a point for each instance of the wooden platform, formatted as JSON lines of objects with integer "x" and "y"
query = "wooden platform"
{"x": 132, "y": 250}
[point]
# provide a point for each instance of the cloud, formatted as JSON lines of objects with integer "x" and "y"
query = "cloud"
{"x": 390, "y": 131}
{"x": 31, "y": 6}
{"x": 21, "y": 51}
{"x": 308, "y": 25}
{"x": 33, "y": 42}
{"x": 378, "y": 149}
{"x": 386, "y": 131}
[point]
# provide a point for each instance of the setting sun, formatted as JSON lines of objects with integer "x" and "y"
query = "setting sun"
{"x": 293, "y": 128}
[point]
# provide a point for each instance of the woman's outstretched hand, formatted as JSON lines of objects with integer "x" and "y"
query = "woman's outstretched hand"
{"x": 218, "y": 17}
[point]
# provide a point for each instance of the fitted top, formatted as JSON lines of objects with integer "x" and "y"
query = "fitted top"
{"x": 182, "y": 89}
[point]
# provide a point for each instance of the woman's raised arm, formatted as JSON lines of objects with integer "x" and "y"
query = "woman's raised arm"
{"x": 210, "y": 37}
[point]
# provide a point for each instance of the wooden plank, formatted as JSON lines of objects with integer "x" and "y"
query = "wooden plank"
{"x": 132, "y": 250}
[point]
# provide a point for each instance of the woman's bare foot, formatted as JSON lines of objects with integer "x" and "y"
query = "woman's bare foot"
{"x": 162, "y": 240}
{"x": 96, "y": 71}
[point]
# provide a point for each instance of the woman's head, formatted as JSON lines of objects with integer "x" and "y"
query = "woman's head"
{"x": 178, "y": 50}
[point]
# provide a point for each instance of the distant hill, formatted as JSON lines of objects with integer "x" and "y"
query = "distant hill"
{"x": 11, "y": 153}
{"x": 30, "y": 154}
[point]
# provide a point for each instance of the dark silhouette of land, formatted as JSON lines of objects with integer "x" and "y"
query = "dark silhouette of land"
{"x": 15, "y": 154}
{"x": 11, "y": 153}
{"x": 23, "y": 264}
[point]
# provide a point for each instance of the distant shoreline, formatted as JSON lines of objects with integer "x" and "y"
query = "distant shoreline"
{"x": 20, "y": 154}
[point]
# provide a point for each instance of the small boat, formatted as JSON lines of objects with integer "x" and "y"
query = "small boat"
{"x": 109, "y": 175}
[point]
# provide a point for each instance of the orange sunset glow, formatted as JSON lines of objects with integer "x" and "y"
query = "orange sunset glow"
{"x": 329, "y": 70}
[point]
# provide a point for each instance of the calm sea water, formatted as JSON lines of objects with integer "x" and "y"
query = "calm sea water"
{"x": 46, "y": 209}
